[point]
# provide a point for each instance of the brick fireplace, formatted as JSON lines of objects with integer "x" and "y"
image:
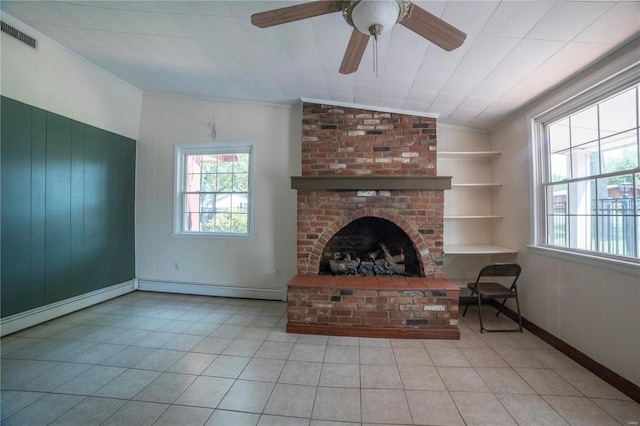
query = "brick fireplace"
{"x": 359, "y": 164}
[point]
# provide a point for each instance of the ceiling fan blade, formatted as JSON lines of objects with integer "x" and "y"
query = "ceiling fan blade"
{"x": 293, "y": 13}
{"x": 433, "y": 28}
{"x": 355, "y": 50}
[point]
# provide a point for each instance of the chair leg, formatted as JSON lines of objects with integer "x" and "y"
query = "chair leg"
{"x": 503, "y": 303}
{"x": 467, "y": 306}
{"x": 519, "y": 316}
{"x": 480, "y": 313}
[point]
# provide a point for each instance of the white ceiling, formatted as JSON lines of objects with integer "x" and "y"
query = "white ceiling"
{"x": 514, "y": 51}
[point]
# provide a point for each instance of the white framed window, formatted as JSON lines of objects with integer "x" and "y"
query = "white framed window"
{"x": 589, "y": 174}
{"x": 214, "y": 189}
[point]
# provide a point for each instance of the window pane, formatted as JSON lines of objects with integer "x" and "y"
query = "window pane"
{"x": 617, "y": 216}
{"x": 225, "y": 182}
{"x": 586, "y": 160}
{"x": 618, "y": 113}
{"x": 557, "y": 215}
{"x": 241, "y": 164}
{"x": 559, "y": 136}
{"x": 240, "y": 182}
{"x": 560, "y": 165}
{"x": 584, "y": 126}
{"x": 620, "y": 152}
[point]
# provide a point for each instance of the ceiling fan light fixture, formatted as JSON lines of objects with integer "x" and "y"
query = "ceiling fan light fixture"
{"x": 373, "y": 17}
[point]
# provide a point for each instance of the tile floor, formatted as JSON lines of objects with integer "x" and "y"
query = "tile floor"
{"x": 161, "y": 359}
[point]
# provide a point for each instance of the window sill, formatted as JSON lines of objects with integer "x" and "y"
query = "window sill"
{"x": 211, "y": 236}
{"x": 630, "y": 267}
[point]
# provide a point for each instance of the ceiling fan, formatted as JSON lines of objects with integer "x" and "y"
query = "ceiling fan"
{"x": 368, "y": 18}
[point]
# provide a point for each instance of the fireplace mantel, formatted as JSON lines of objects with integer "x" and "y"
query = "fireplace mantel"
{"x": 365, "y": 183}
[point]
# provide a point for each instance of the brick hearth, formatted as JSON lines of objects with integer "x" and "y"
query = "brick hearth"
{"x": 393, "y": 307}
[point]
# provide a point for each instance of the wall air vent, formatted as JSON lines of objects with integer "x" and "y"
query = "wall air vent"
{"x": 17, "y": 34}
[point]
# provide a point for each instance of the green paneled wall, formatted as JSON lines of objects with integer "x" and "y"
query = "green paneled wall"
{"x": 67, "y": 208}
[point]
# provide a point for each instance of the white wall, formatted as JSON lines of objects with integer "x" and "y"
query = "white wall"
{"x": 591, "y": 306}
{"x": 55, "y": 79}
{"x": 277, "y": 133}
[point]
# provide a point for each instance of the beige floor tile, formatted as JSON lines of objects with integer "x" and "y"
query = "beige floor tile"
{"x": 504, "y": 380}
{"x": 530, "y": 410}
{"x": 547, "y": 382}
{"x": 462, "y": 379}
{"x": 433, "y": 408}
{"x": 385, "y": 406}
{"x": 263, "y": 370}
{"x": 340, "y": 375}
{"x": 554, "y": 359}
{"x": 307, "y": 352}
{"x": 205, "y": 392}
{"x": 270, "y": 420}
{"x": 411, "y": 356}
{"x": 520, "y": 358}
{"x": 228, "y": 331}
{"x": 228, "y": 418}
{"x": 291, "y": 401}
{"x": 377, "y": 355}
{"x": 247, "y": 396}
{"x": 275, "y": 350}
{"x": 419, "y": 377}
{"x": 13, "y": 401}
{"x": 44, "y": 410}
{"x": 343, "y": 341}
{"x": 591, "y": 385}
{"x": 242, "y": 347}
{"x": 626, "y": 412}
{"x": 580, "y": 411}
{"x": 227, "y": 366}
{"x": 448, "y": 357}
{"x": 179, "y": 415}
{"x": 479, "y": 408}
{"x": 91, "y": 411}
{"x": 375, "y": 342}
{"x": 160, "y": 360}
{"x": 136, "y": 412}
{"x": 301, "y": 373}
{"x": 342, "y": 354}
{"x": 380, "y": 377}
{"x": 128, "y": 357}
{"x": 128, "y": 384}
{"x": 53, "y": 378}
{"x": 483, "y": 358}
{"x": 183, "y": 342}
{"x": 212, "y": 345}
{"x": 406, "y": 343}
{"x": 311, "y": 339}
{"x": 337, "y": 404}
{"x": 166, "y": 388}
{"x": 192, "y": 363}
{"x": 91, "y": 380}
{"x": 282, "y": 336}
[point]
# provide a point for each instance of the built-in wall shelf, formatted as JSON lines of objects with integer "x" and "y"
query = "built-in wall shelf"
{"x": 476, "y": 185}
{"x": 477, "y": 216}
{"x": 473, "y": 249}
{"x": 469, "y": 154}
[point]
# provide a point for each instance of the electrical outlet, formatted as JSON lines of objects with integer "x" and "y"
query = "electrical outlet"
{"x": 177, "y": 266}
{"x": 277, "y": 272}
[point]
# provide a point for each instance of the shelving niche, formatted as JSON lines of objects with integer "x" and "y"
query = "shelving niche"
{"x": 468, "y": 213}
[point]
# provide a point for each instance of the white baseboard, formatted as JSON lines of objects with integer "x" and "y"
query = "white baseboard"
{"x": 32, "y": 317}
{"x": 213, "y": 290}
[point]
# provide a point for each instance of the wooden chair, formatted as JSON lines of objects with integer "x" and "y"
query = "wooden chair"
{"x": 487, "y": 287}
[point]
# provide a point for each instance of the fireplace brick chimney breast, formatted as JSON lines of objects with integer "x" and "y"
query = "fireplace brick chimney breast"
{"x": 343, "y": 142}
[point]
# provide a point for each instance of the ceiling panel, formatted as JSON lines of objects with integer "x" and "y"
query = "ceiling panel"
{"x": 514, "y": 51}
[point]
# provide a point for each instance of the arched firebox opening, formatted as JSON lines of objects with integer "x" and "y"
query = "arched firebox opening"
{"x": 371, "y": 246}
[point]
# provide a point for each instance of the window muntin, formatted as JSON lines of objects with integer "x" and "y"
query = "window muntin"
{"x": 592, "y": 184}
{"x": 213, "y": 189}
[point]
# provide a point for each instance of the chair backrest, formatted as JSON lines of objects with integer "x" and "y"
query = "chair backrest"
{"x": 501, "y": 270}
